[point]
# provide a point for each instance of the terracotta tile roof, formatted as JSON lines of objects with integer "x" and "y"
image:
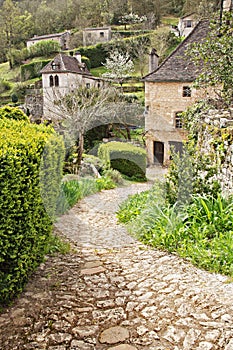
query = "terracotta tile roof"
{"x": 65, "y": 63}
{"x": 178, "y": 66}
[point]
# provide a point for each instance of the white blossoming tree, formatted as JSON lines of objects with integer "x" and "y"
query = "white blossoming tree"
{"x": 119, "y": 66}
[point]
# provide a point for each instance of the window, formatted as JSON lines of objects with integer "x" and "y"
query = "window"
{"x": 98, "y": 85}
{"x": 146, "y": 110}
{"x": 56, "y": 80}
{"x": 101, "y": 34}
{"x": 178, "y": 121}
{"x": 187, "y": 91}
{"x": 188, "y": 24}
{"x": 51, "y": 80}
{"x": 88, "y": 85}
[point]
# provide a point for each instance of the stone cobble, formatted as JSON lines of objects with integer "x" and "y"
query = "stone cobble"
{"x": 113, "y": 293}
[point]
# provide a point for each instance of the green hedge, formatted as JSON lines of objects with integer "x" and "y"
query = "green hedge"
{"x": 31, "y": 159}
{"x": 32, "y": 70}
{"x": 130, "y": 33}
{"x": 97, "y": 54}
{"x": 130, "y": 160}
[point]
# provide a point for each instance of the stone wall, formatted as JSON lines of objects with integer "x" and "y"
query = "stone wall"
{"x": 216, "y": 137}
{"x": 34, "y": 104}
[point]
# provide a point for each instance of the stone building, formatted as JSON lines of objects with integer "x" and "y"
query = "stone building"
{"x": 61, "y": 76}
{"x": 62, "y": 38}
{"x": 169, "y": 91}
{"x": 93, "y": 36}
{"x": 186, "y": 24}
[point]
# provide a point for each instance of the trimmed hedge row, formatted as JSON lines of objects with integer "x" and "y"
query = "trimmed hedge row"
{"x": 31, "y": 159}
{"x": 130, "y": 160}
{"x": 32, "y": 70}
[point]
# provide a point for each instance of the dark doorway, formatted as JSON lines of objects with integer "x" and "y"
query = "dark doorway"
{"x": 158, "y": 152}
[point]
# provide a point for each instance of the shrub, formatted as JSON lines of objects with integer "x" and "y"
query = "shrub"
{"x": 29, "y": 182}
{"x": 114, "y": 175}
{"x": 44, "y": 48}
{"x": 13, "y": 113}
{"x": 124, "y": 157}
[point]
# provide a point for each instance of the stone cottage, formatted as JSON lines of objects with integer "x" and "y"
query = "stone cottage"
{"x": 169, "y": 91}
{"x": 93, "y": 36}
{"x": 62, "y": 38}
{"x": 186, "y": 24}
{"x": 61, "y": 76}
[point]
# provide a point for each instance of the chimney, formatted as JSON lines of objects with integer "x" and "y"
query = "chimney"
{"x": 78, "y": 57}
{"x": 153, "y": 61}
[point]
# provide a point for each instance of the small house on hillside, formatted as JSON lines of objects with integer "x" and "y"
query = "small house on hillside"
{"x": 186, "y": 24}
{"x": 62, "y": 38}
{"x": 93, "y": 36}
{"x": 61, "y": 76}
{"x": 169, "y": 91}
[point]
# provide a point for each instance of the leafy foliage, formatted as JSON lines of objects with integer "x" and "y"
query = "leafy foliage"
{"x": 13, "y": 113}
{"x": 215, "y": 56}
{"x": 201, "y": 231}
{"x": 72, "y": 191}
{"x": 29, "y": 183}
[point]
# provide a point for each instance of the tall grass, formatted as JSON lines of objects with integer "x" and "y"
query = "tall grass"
{"x": 72, "y": 191}
{"x": 201, "y": 232}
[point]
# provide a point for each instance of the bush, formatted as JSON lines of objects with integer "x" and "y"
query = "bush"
{"x": 114, "y": 175}
{"x": 13, "y": 113}
{"x": 31, "y": 159}
{"x": 44, "y": 48}
{"x": 124, "y": 157}
{"x": 32, "y": 70}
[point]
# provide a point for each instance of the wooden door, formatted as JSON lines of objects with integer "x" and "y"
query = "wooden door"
{"x": 158, "y": 152}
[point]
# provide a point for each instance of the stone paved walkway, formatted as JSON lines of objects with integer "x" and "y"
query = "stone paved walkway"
{"x": 111, "y": 292}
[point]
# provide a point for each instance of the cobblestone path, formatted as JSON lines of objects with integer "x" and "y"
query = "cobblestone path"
{"x": 111, "y": 292}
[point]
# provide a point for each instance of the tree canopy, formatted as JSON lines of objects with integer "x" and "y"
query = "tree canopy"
{"x": 215, "y": 56}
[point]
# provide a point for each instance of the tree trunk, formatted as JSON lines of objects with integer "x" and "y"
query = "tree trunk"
{"x": 128, "y": 132}
{"x": 80, "y": 148}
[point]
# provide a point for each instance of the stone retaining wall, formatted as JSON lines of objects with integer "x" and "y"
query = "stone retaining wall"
{"x": 216, "y": 136}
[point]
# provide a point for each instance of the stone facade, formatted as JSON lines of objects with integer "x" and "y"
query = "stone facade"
{"x": 186, "y": 24}
{"x": 63, "y": 75}
{"x": 168, "y": 92}
{"x": 163, "y": 103}
{"x": 92, "y": 36}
